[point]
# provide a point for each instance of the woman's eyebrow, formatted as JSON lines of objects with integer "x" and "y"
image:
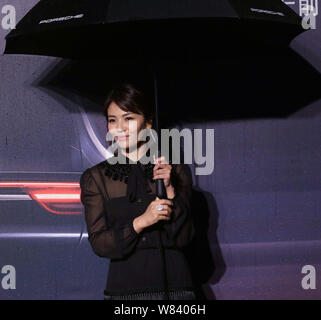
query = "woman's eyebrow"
{"x": 124, "y": 115}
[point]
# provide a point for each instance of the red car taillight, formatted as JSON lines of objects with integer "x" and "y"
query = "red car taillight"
{"x": 56, "y": 197}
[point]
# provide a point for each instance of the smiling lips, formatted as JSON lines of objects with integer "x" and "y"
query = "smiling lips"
{"x": 121, "y": 138}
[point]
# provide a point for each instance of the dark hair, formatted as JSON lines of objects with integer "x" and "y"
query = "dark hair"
{"x": 130, "y": 97}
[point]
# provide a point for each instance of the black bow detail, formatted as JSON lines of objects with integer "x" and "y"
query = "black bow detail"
{"x": 134, "y": 175}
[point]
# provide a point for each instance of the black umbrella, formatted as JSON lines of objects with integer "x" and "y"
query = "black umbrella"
{"x": 151, "y": 31}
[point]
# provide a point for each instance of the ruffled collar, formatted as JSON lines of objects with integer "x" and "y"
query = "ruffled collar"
{"x": 135, "y": 175}
{"x": 121, "y": 172}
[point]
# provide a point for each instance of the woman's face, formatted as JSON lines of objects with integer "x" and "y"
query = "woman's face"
{"x": 124, "y": 126}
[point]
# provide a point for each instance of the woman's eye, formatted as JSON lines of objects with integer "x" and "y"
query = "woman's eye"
{"x": 127, "y": 118}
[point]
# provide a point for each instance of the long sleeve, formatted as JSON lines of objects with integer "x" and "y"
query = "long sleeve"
{"x": 180, "y": 230}
{"x": 106, "y": 241}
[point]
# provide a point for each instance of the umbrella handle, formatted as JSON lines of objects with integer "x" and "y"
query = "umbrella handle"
{"x": 160, "y": 186}
{"x": 160, "y": 189}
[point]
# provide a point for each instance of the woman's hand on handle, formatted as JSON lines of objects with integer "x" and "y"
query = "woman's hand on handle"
{"x": 152, "y": 215}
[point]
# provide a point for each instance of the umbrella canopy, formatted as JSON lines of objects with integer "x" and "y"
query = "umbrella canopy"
{"x": 143, "y": 28}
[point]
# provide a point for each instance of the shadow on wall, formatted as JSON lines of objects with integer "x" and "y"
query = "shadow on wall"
{"x": 205, "y": 258}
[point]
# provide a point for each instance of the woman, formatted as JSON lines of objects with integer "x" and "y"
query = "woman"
{"x": 141, "y": 234}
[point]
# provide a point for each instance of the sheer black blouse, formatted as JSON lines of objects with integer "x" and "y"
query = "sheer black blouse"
{"x": 113, "y": 196}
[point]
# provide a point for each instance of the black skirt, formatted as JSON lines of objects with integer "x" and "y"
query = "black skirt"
{"x": 159, "y": 295}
